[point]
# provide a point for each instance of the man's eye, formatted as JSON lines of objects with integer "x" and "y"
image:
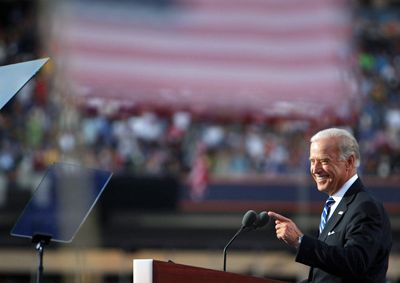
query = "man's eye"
{"x": 319, "y": 161}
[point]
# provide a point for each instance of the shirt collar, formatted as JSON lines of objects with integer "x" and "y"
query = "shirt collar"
{"x": 340, "y": 193}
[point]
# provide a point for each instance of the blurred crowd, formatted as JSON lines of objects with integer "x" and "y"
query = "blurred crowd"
{"x": 377, "y": 35}
{"x": 26, "y": 121}
{"x": 38, "y": 128}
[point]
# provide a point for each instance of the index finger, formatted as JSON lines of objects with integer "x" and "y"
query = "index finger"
{"x": 277, "y": 216}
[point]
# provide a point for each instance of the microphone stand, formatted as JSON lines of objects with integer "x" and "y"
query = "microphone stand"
{"x": 251, "y": 221}
{"x": 230, "y": 242}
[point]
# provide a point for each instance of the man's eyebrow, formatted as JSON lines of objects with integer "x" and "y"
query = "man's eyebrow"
{"x": 319, "y": 159}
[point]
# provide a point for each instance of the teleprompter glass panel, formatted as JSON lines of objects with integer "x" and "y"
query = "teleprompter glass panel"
{"x": 61, "y": 202}
{"x": 14, "y": 76}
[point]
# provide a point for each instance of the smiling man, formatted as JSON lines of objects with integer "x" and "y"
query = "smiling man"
{"x": 354, "y": 239}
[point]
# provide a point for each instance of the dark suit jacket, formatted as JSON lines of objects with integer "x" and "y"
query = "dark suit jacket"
{"x": 355, "y": 244}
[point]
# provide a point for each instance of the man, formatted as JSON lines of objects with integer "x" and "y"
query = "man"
{"x": 355, "y": 235}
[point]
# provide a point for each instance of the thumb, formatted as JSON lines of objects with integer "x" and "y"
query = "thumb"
{"x": 277, "y": 216}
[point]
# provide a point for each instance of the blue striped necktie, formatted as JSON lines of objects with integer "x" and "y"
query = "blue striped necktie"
{"x": 325, "y": 213}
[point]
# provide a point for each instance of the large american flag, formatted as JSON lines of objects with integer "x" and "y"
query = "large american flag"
{"x": 265, "y": 57}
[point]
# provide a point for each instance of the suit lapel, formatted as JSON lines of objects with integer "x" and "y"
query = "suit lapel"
{"x": 335, "y": 219}
{"x": 340, "y": 210}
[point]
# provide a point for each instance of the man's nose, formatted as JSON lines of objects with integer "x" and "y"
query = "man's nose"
{"x": 316, "y": 167}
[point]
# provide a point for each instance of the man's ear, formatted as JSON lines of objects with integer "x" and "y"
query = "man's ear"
{"x": 351, "y": 161}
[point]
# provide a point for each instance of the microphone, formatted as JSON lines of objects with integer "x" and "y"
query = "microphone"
{"x": 248, "y": 221}
{"x": 261, "y": 221}
{"x": 249, "y": 218}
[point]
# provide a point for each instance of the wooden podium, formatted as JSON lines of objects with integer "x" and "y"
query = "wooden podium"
{"x": 153, "y": 271}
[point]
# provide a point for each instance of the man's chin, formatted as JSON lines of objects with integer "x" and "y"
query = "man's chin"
{"x": 321, "y": 188}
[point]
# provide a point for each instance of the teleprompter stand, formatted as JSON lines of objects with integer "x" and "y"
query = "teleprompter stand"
{"x": 41, "y": 241}
{"x": 60, "y": 205}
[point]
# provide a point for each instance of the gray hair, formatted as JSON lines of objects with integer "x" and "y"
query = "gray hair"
{"x": 347, "y": 144}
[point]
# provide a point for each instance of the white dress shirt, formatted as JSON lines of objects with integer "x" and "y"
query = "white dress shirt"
{"x": 340, "y": 193}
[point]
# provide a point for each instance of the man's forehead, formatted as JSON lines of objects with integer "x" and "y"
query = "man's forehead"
{"x": 325, "y": 147}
